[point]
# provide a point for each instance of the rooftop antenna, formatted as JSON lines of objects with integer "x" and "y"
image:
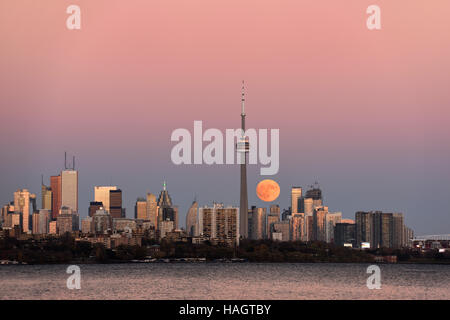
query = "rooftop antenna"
{"x": 73, "y": 163}
{"x": 42, "y": 179}
{"x": 65, "y": 160}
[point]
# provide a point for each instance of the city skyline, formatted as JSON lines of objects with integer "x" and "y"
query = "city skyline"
{"x": 363, "y": 113}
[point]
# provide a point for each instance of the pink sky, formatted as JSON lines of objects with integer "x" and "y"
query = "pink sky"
{"x": 364, "y": 112}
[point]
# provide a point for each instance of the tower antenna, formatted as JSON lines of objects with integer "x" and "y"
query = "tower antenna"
{"x": 65, "y": 160}
{"x": 243, "y": 99}
{"x": 73, "y": 163}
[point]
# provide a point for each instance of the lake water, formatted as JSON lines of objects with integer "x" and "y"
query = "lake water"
{"x": 225, "y": 281}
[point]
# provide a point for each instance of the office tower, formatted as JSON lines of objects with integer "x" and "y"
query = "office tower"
{"x": 46, "y": 196}
{"x": 115, "y": 204}
{"x": 69, "y": 189}
{"x": 22, "y": 207}
{"x": 296, "y": 197}
{"x": 94, "y": 206}
{"x": 281, "y": 231}
{"x": 86, "y": 225}
{"x": 258, "y": 223}
{"x": 41, "y": 221}
{"x": 140, "y": 209}
{"x": 191, "y": 220}
{"x": 330, "y": 222}
{"x": 102, "y": 222}
{"x": 152, "y": 209}
{"x": 308, "y": 206}
{"x": 316, "y": 194}
{"x": 102, "y": 194}
{"x": 167, "y": 211}
{"x": 319, "y": 224}
{"x": 55, "y": 185}
{"x": 363, "y": 222}
{"x": 285, "y": 214}
{"x": 67, "y": 220}
{"x": 398, "y": 238}
{"x": 242, "y": 150}
{"x": 298, "y": 227}
{"x": 344, "y": 234}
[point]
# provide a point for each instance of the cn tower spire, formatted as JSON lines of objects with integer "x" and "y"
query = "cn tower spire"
{"x": 243, "y": 205}
{"x": 243, "y": 99}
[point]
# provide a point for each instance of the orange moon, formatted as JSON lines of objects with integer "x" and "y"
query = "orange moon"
{"x": 267, "y": 190}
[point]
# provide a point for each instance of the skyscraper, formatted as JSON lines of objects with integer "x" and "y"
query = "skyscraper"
{"x": 22, "y": 207}
{"x": 258, "y": 223}
{"x": 140, "y": 209}
{"x": 242, "y": 150}
{"x": 115, "y": 204}
{"x": 152, "y": 210}
{"x": 46, "y": 196}
{"x": 93, "y": 207}
{"x": 101, "y": 194}
{"x": 55, "y": 185}
{"x": 192, "y": 220}
{"x": 69, "y": 189}
{"x": 296, "y": 197}
{"x": 167, "y": 211}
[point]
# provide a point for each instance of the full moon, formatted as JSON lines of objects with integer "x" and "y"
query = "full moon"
{"x": 267, "y": 190}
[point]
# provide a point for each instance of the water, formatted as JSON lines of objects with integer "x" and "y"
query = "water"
{"x": 225, "y": 281}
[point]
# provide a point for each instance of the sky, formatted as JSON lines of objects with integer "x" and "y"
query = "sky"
{"x": 363, "y": 112}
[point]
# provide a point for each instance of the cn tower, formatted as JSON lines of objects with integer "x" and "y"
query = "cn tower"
{"x": 243, "y": 148}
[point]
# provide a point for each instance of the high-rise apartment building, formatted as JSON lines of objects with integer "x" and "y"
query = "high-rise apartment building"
{"x": 344, "y": 233}
{"x": 364, "y": 223}
{"x": 319, "y": 224}
{"x": 331, "y": 219}
{"x": 271, "y": 219}
{"x": 258, "y": 222}
{"x": 298, "y": 227}
{"x": 219, "y": 223}
{"x": 41, "y": 221}
{"x": 281, "y": 228}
